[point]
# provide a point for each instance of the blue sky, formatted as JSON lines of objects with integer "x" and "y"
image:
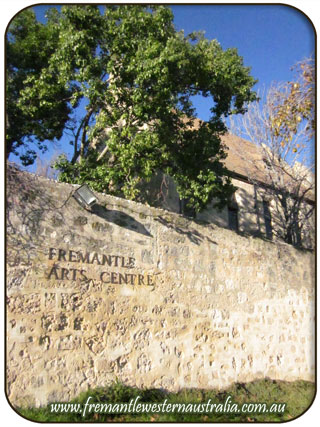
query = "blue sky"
{"x": 270, "y": 38}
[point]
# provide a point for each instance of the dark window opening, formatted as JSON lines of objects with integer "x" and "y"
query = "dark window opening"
{"x": 233, "y": 218}
{"x": 267, "y": 219}
{"x": 186, "y": 210}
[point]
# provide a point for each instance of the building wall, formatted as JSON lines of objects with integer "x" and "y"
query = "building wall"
{"x": 244, "y": 199}
{"x": 247, "y": 199}
{"x": 180, "y": 305}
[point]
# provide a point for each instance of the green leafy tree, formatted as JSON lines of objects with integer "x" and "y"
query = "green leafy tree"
{"x": 137, "y": 76}
{"x": 29, "y": 45}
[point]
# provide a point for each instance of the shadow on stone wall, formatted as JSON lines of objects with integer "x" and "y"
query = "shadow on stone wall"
{"x": 35, "y": 209}
{"x": 23, "y": 233}
{"x": 181, "y": 226}
{"x": 120, "y": 218}
{"x": 253, "y": 220}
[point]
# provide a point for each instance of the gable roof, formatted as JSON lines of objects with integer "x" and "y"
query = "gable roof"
{"x": 245, "y": 160}
{"x": 235, "y": 161}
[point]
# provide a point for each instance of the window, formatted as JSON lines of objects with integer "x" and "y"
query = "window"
{"x": 233, "y": 218}
{"x": 267, "y": 219}
{"x": 186, "y": 210}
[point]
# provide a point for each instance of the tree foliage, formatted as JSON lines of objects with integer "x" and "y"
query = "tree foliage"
{"x": 41, "y": 116}
{"x": 294, "y": 106}
{"x": 136, "y": 76}
{"x": 282, "y": 126}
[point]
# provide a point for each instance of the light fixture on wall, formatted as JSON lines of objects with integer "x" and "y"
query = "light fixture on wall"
{"x": 85, "y": 197}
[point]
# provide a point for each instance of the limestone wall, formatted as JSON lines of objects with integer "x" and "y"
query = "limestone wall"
{"x": 145, "y": 296}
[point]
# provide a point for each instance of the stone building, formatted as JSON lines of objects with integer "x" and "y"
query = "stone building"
{"x": 253, "y": 209}
{"x": 256, "y": 208}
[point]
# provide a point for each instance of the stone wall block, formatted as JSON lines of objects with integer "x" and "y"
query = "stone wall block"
{"x": 155, "y": 299}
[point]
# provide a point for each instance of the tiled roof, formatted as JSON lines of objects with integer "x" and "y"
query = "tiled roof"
{"x": 245, "y": 159}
